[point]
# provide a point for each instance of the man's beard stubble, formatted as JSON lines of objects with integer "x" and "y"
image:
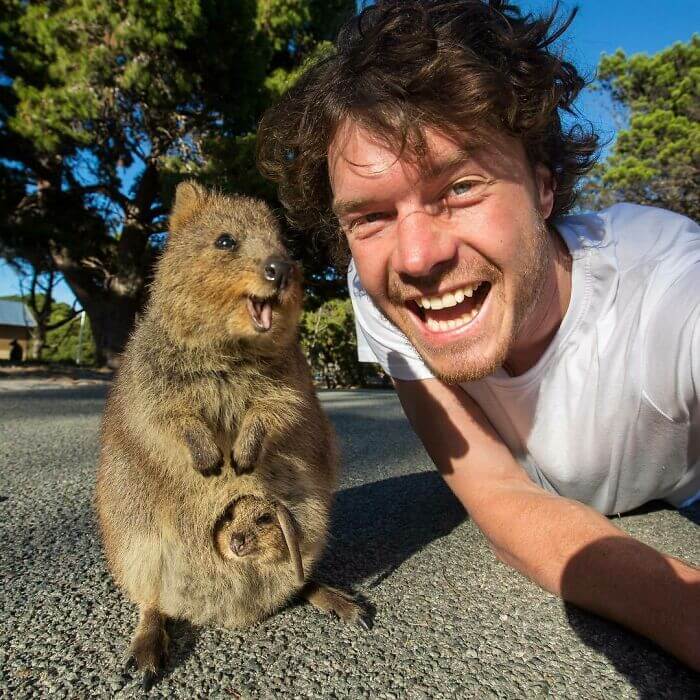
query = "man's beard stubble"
{"x": 456, "y": 363}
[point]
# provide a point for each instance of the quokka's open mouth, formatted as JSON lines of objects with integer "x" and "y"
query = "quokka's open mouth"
{"x": 260, "y": 311}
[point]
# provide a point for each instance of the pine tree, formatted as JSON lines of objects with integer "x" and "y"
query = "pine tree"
{"x": 656, "y": 158}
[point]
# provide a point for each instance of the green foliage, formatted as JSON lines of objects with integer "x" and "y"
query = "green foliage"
{"x": 329, "y": 341}
{"x": 92, "y": 72}
{"x": 62, "y": 343}
{"x": 656, "y": 159}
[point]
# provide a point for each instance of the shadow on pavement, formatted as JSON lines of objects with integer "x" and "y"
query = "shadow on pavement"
{"x": 378, "y": 526}
{"x": 183, "y": 640}
{"x": 691, "y": 512}
{"x": 635, "y": 657}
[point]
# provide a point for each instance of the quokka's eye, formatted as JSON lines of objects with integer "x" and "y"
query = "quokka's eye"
{"x": 226, "y": 242}
{"x": 264, "y": 520}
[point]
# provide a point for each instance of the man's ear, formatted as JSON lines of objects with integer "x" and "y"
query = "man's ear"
{"x": 188, "y": 196}
{"x": 544, "y": 182}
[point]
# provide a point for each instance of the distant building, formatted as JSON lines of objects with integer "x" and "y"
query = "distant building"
{"x": 16, "y": 322}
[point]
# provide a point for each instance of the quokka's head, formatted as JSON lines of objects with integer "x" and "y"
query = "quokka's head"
{"x": 259, "y": 528}
{"x": 225, "y": 274}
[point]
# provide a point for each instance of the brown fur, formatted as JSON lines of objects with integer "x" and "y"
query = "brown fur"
{"x": 199, "y": 391}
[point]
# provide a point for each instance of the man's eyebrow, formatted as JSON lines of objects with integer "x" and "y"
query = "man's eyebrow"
{"x": 342, "y": 206}
{"x": 436, "y": 168}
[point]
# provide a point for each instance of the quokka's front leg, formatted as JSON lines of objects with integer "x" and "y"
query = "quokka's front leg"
{"x": 249, "y": 442}
{"x": 149, "y": 646}
{"x": 205, "y": 453}
{"x": 337, "y": 602}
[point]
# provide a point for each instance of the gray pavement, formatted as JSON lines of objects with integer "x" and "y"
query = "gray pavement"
{"x": 451, "y": 621}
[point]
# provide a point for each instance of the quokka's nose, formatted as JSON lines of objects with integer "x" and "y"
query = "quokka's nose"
{"x": 237, "y": 543}
{"x": 278, "y": 271}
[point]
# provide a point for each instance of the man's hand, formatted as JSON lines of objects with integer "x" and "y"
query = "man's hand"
{"x": 564, "y": 546}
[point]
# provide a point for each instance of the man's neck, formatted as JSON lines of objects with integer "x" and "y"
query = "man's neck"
{"x": 548, "y": 314}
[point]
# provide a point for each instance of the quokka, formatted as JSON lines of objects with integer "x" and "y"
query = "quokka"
{"x": 212, "y": 420}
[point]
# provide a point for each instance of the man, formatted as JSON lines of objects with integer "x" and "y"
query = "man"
{"x": 550, "y": 365}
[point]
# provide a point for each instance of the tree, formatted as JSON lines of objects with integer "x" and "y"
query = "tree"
{"x": 105, "y": 105}
{"x": 40, "y": 301}
{"x": 656, "y": 159}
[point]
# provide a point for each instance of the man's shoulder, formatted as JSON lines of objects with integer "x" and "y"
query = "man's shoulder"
{"x": 638, "y": 234}
{"x": 627, "y": 219}
{"x": 624, "y": 219}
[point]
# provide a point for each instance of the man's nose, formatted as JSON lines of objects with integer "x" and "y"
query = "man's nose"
{"x": 421, "y": 246}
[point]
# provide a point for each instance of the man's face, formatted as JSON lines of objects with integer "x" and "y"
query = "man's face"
{"x": 453, "y": 249}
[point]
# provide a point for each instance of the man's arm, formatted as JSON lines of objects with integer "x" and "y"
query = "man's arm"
{"x": 562, "y": 545}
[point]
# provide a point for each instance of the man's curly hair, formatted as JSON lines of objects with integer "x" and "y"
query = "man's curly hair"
{"x": 468, "y": 68}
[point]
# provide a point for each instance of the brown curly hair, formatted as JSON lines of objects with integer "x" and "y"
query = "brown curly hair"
{"x": 466, "y": 67}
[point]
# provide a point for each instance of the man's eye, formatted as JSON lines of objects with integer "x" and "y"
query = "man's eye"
{"x": 463, "y": 187}
{"x": 370, "y": 218}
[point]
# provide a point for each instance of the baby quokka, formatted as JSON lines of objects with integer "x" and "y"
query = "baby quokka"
{"x": 217, "y": 464}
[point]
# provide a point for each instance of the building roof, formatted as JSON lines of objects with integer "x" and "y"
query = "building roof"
{"x": 15, "y": 313}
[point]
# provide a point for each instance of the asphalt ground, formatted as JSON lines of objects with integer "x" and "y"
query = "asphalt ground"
{"x": 451, "y": 621}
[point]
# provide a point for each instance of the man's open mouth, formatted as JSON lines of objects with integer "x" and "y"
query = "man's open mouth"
{"x": 452, "y": 310}
{"x": 260, "y": 311}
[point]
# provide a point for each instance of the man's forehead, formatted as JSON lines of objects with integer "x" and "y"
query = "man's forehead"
{"x": 358, "y": 147}
{"x": 357, "y": 154}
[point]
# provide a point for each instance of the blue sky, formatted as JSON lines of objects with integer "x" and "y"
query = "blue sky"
{"x": 601, "y": 26}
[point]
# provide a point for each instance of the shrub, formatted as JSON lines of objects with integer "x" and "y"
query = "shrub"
{"x": 329, "y": 341}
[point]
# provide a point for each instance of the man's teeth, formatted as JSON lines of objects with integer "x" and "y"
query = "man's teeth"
{"x": 442, "y": 326}
{"x": 447, "y": 300}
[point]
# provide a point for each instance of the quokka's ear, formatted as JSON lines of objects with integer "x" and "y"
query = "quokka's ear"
{"x": 188, "y": 196}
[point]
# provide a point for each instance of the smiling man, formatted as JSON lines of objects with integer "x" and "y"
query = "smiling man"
{"x": 549, "y": 363}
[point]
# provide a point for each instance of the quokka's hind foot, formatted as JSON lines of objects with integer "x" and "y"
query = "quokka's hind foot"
{"x": 339, "y": 603}
{"x": 149, "y": 646}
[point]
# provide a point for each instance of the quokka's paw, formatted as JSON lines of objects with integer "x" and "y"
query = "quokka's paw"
{"x": 247, "y": 448}
{"x": 344, "y": 606}
{"x": 241, "y": 463}
{"x": 148, "y": 653}
{"x": 206, "y": 455}
{"x": 148, "y": 678}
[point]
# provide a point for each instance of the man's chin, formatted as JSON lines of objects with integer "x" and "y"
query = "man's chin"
{"x": 454, "y": 364}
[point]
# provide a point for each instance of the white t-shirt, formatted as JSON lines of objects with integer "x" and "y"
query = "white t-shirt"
{"x": 610, "y": 414}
